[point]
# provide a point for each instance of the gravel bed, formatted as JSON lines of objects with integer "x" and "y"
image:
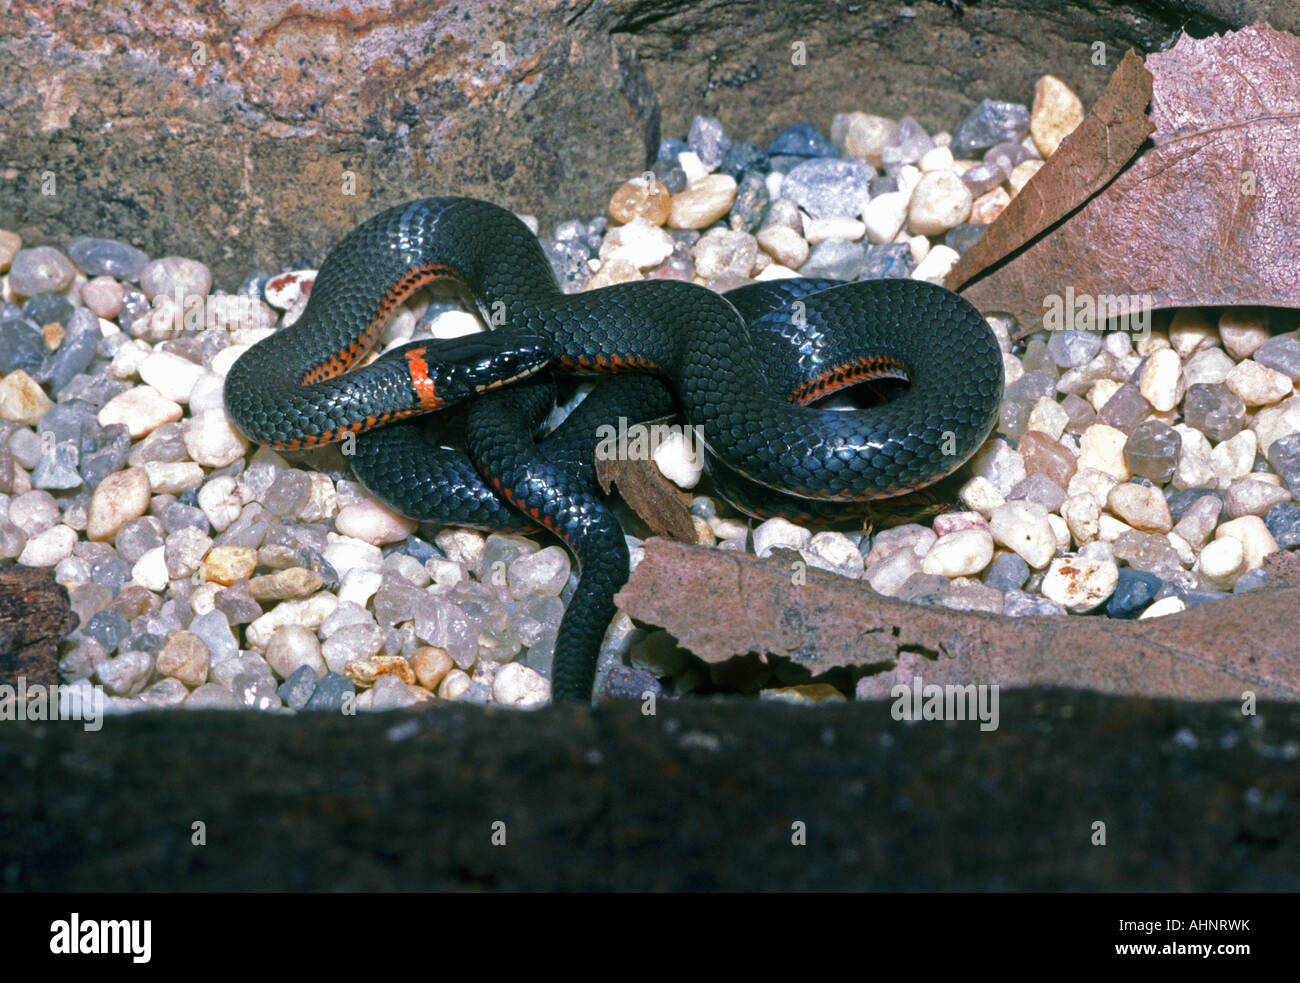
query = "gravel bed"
{"x": 1135, "y": 473}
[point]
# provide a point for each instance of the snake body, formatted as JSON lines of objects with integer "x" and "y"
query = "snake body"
{"x": 742, "y": 366}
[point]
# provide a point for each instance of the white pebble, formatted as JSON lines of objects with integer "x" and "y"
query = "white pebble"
{"x": 47, "y": 548}
{"x": 936, "y": 265}
{"x": 1160, "y": 378}
{"x": 373, "y": 522}
{"x": 120, "y": 497}
{"x": 884, "y": 216}
{"x": 1222, "y": 562}
{"x": 143, "y": 409}
{"x": 1164, "y": 606}
{"x": 1024, "y": 528}
{"x": 959, "y": 554}
{"x": 516, "y": 685}
{"x": 941, "y": 200}
{"x": 171, "y": 375}
{"x": 212, "y": 441}
{"x": 309, "y": 613}
{"x": 1079, "y": 584}
{"x": 150, "y": 571}
{"x": 780, "y": 533}
{"x": 678, "y": 460}
{"x": 172, "y": 479}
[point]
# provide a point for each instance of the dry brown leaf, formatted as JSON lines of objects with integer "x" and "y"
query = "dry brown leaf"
{"x": 1091, "y": 156}
{"x": 663, "y": 506}
{"x": 721, "y": 604}
{"x": 1206, "y": 217}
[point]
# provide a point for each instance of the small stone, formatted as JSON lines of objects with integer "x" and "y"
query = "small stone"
{"x": 884, "y": 216}
{"x": 431, "y": 665}
{"x": 743, "y": 158}
{"x": 226, "y": 564}
{"x": 1102, "y": 447}
{"x": 1164, "y": 606}
{"x": 1160, "y": 378}
{"x": 1257, "y": 542}
{"x": 330, "y": 693}
{"x": 865, "y": 137}
{"x": 1018, "y": 604}
{"x": 184, "y": 550}
{"x": 637, "y": 199}
{"x": 368, "y": 671}
{"x": 126, "y": 674}
{"x": 829, "y": 187}
{"x": 107, "y": 258}
{"x": 936, "y": 265}
{"x": 21, "y": 399}
{"x": 117, "y": 500}
{"x": 1283, "y": 523}
{"x": 941, "y": 200}
{"x": 48, "y": 548}
{"x": 989, "y": 124}
{"x": 959, "y": 554}
{"x": 1234, "y": 458}
{"x": 1056, "y": 113}
{"x": 1257, "y": 385}
{"x": 1281, "y": 354}
{"x": 297, "y": 689}
{"x": 834, "y": 259}
{"x": 1152, "y": 451}
{"x": 1040, "y": 489}
{"x": 517, "y": 685}
{"x": 373, "y": 522}
{"x": 1190, "y": 331}
{"x": 1221, "y": 563}
{"x": 1125, "y": 408}
{"x": 907, "y": 143}
{"x": 801, "y": 140}
{"x": 39, "y": 270}
{"x": 1134, "y": 590}
{"x": 1008, "y": 571}
{"x": 172, "y": 275}
{"x": 1244, "y": 330}
{"x": 1214, "y": 410}
{"x": 640, "y": 243}
{"x": 780, "y": 533}
{"x": 890, "y": 260}
{"x": 1141, "y": 506}
{"x": 703, "y": 203}
{"x": 722, "y": 251}
{"x": 783, "y": 244}
{"x": 361, "y": 642}
{"x": 1024, "y": 528}
{"x": 543, "y": 572}
{"x": 839, "y": 227}
{"x": 1048, "y": 457}
{"x": 835, "y": 552}
{"x": 10, "y": 243}
{"x": 986, "y": 208}
{"x": 1196, "y": 524}
{"x": 285, "y": 584}
{"x": 171, "y": 375}
{"x": 1209, "y": 365}
{"x": 1080, "y": 584}
{"x": 309, "y": 613}
{"x": 1246, "y": 497}
{"x": 142, "y": 410}
{"x": 185, "y": 657}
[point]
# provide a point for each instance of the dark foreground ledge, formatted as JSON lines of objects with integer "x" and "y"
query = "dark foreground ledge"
{"x": 701, "y": 796}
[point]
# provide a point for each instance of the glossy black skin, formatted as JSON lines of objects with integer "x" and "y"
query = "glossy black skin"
{"x": 735, "y": 380}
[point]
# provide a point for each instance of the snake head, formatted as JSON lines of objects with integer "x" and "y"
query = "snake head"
{"x": 458, "y": 368}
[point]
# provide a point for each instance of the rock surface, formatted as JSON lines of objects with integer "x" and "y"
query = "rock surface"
{"x": 533, "y": 111}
